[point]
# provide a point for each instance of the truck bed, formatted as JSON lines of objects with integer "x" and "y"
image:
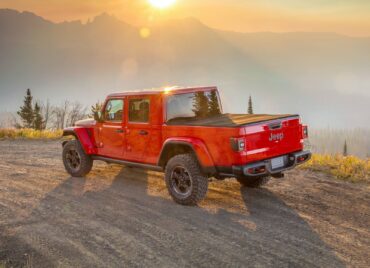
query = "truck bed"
{"x": 229, "y": 120}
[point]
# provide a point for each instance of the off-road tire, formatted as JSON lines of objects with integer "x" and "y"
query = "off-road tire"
{"x": 86, "y": 162}
{"x": 199, "y": 181}
{"x": 253, "y": 182}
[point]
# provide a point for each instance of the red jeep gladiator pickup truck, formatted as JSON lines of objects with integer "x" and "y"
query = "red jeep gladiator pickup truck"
{"x": 184, "y": 132}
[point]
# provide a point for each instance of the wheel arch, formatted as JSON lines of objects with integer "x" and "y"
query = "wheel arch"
{"x": 178, "y": 146}
{"x": 84, "y": 136}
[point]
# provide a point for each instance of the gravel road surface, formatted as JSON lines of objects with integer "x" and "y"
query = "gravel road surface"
{"x": 123, "y": 217}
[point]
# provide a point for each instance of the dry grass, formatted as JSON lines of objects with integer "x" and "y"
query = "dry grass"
{"x": 349, "y": 168}
{"x": 30, "y": 134}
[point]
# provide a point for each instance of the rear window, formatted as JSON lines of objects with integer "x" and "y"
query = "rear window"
{"x": 139, "y": 110}
{"x": 193, "y": 105}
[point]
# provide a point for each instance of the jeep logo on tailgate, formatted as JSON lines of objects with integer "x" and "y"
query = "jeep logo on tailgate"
{"x": 276, "y": 137}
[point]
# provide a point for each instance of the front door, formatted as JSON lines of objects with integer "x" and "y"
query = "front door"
{"x": 111, "y": 133}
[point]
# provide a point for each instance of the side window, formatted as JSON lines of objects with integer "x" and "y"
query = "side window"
{"x": 114, "y": 111}
{"x": 139, "y": 110}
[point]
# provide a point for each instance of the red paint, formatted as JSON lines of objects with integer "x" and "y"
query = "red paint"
{"x": 199, "y": 147}
{"x": 86, "y": 137}
{"x": 211, "y": 144}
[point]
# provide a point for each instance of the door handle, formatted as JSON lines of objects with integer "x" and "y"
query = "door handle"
{"x": 143, "y": 132}
{"x": 119, "y": 130}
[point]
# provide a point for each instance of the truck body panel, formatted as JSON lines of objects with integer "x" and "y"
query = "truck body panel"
{"x": 141, "y": 128}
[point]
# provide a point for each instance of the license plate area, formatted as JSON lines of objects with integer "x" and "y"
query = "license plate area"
{"x": 277, "y": 162}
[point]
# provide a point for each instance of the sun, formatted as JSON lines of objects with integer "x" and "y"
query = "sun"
{"x": 161, "y": 3}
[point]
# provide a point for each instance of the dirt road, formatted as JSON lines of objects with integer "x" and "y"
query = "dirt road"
{"x": 122, "y": 217}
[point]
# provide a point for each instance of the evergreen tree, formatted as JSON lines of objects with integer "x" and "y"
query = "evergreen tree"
{"x": 26, "y": 111}
{"x": 214, "y": 105}
{"x": 38, "y": 122}
{"x": 200, "y": 104}
{"x": 95, "y": 109}
{"x": 345, "y": 152}
{"x": 250, "y": 105}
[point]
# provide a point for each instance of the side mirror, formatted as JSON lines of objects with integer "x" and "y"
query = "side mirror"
{"x": 98, "y": 117}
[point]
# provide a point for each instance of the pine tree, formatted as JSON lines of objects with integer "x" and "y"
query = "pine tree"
{"x": 200, "y": 104}
{"x": 345, "y": 149}
{"x": 250, "y": 105}
{"x": 26, "y": 111}
{"x": 38, "y": 121}
{"x": 95, "y": 109}
{"x": 214, "y": 104}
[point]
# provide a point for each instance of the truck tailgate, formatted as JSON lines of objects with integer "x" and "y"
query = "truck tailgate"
{"x": 272, "y": 138}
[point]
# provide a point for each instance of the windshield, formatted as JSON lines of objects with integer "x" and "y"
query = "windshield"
{"x": 193, "y": 105}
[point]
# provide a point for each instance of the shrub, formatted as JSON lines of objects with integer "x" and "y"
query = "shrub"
{"x": 30, "y": 134}
{"x": 349, "y": 168}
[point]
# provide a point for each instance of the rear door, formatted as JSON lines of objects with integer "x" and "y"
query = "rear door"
{"x": 138, "y": 128}
{"x": 111, "y": 133}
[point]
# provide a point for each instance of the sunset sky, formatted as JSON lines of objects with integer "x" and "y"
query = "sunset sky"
{"x": 349, "y": 17}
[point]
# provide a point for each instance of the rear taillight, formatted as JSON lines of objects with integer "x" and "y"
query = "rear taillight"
{"x": 305, "y": 132}
{"x": 237, "y": 144}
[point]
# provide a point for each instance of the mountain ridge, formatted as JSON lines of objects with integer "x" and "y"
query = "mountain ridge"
{"x": 189, "y": 18}
{"x": 284, "y": 72}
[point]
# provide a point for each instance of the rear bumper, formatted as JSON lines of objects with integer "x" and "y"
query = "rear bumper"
{"x": 264, "y": 168}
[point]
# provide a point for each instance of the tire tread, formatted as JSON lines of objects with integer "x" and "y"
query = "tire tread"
{"x": 253, "y": 182}
{"x": 200, "y": 182}
{"x": 86, "y": 161}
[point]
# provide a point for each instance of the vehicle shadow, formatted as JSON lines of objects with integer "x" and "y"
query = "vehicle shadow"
{"x": 281, "y": 227}
{"x": 121, "y": 224}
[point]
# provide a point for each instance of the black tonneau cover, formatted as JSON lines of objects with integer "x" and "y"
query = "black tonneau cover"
{"x": 229, "y": 120}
